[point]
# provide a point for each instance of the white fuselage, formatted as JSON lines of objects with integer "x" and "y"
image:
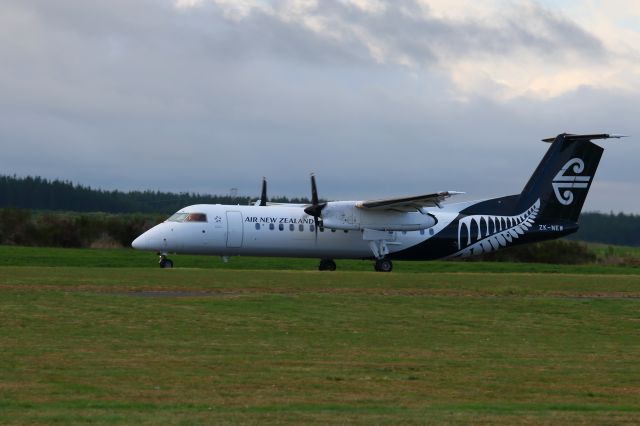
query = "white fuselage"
{"x": 286, "y": 230}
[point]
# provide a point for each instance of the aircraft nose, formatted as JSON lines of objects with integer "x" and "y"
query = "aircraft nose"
{"x": 146, "y": 241}
{"x": 136, "y": 243}
{"x": 139, "y": 243}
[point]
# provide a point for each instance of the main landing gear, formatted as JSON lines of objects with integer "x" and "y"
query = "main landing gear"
{"x": 165, "y": 262}
{"x": 378, "y": 243}
{"x": 383, "y": 265}
{"x": 327, "y": 265}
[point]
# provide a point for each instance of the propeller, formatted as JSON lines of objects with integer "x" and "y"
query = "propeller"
{"x": 316, "y": 207}
{"x": 263, "y": 197}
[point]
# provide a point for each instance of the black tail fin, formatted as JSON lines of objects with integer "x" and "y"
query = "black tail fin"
{"x": 563, "y": 177}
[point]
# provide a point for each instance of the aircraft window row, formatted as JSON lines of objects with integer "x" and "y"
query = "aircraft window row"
{"x": 311, "y": 228}
{"x": 292, "y": 227}
{"x": 301, "y": 227}
{"x": 188, "y": 217}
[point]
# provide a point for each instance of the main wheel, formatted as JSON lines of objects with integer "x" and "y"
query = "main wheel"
{"x": 383, "y": 265}
{"x": 166, "y": 263}
{"x": 327, "y": 265}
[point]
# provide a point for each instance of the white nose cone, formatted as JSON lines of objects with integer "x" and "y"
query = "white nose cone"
{"x": 147, "y": 241}
{"x": 138, "y": 243}
{"x": 152, "y": 240}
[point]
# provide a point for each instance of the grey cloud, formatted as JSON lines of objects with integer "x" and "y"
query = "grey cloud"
{"x": 134, "y": 95}
{"x": 413, "y": 31}
{"x": 552, "y": 34}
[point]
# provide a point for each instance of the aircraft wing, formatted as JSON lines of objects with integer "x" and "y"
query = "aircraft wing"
{"x": 408, "y": 204}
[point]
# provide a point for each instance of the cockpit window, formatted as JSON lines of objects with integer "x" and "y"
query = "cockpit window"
{"x": 188, "y": 217}
{"x": 178, "y": 217}
{"x": 196, "y": 217}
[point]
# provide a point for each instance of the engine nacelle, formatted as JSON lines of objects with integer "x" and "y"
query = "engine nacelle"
{"x": 382, "y": 220}
{"x": 344, "y": 215}
{"x": 341, "y": 215}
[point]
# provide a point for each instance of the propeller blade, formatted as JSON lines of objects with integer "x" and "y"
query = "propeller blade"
{"x": 315, "y": 209}
{"x": 263, "y": 197}
{"x": 314, "y": 191}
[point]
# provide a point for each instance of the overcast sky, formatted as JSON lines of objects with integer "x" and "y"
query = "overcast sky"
{"x": 378, "y": 98}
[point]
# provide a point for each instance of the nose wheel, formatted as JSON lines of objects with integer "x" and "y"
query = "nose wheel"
{"x": 383, "y": 265}
{"x": 165, "y": 263}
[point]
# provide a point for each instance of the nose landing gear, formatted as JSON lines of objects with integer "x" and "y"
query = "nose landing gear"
{"x": 165, "y": 262}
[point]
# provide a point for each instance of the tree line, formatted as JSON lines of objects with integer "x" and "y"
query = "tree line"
{"x": 617, "y": 229}
{"x": 37, "y": 193}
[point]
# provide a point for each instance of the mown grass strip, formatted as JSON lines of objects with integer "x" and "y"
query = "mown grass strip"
{"x": 500, "y": 408}
{"x": 208, "y": 282}
{"x": 123, "y": 258}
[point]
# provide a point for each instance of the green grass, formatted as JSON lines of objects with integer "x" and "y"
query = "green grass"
{"x": 215, "y": 345}
{"x": 37, "y": 256}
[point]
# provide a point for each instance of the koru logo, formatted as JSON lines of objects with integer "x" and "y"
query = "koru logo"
{"x": 566, "y": 183}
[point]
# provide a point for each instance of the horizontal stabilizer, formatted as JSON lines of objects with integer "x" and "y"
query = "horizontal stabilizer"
{"x": 577, "y": 138}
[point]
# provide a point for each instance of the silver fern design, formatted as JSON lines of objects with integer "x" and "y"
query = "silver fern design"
{"x": 493, "y": 232}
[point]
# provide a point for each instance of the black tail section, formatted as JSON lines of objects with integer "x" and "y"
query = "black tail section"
{"x": 563, "y": 177}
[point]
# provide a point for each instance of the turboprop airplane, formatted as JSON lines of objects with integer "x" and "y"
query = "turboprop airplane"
{"x": 408, "y": 228}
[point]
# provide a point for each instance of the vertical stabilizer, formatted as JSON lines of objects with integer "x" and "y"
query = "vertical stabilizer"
{"x": 563, "y": 178}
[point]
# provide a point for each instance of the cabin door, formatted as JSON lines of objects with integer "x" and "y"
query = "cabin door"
{"x": 234, "y": 229}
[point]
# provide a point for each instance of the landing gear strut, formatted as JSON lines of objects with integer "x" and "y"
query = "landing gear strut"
{"x": 327, "y": 265}
{"x": 378, "y": 243}
{"x": 383, "y": 265}
{"x": 165, "y": 262}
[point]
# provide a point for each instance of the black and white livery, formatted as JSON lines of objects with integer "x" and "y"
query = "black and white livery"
{"x": 408, "y": 228}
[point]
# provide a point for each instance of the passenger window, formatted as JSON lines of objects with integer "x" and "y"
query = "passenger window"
{"x": 258, "y": 226}
{"x": 281, "y": 227}
{"x": 271, "y": 226}
{"x": 422, "y": 232}
{"x": 312, "y": 228}
{"x": 301, "y": 227}
{"x": 291, "y": 227}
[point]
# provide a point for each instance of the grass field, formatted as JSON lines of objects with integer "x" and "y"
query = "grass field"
{"x": 195, "y": 345}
